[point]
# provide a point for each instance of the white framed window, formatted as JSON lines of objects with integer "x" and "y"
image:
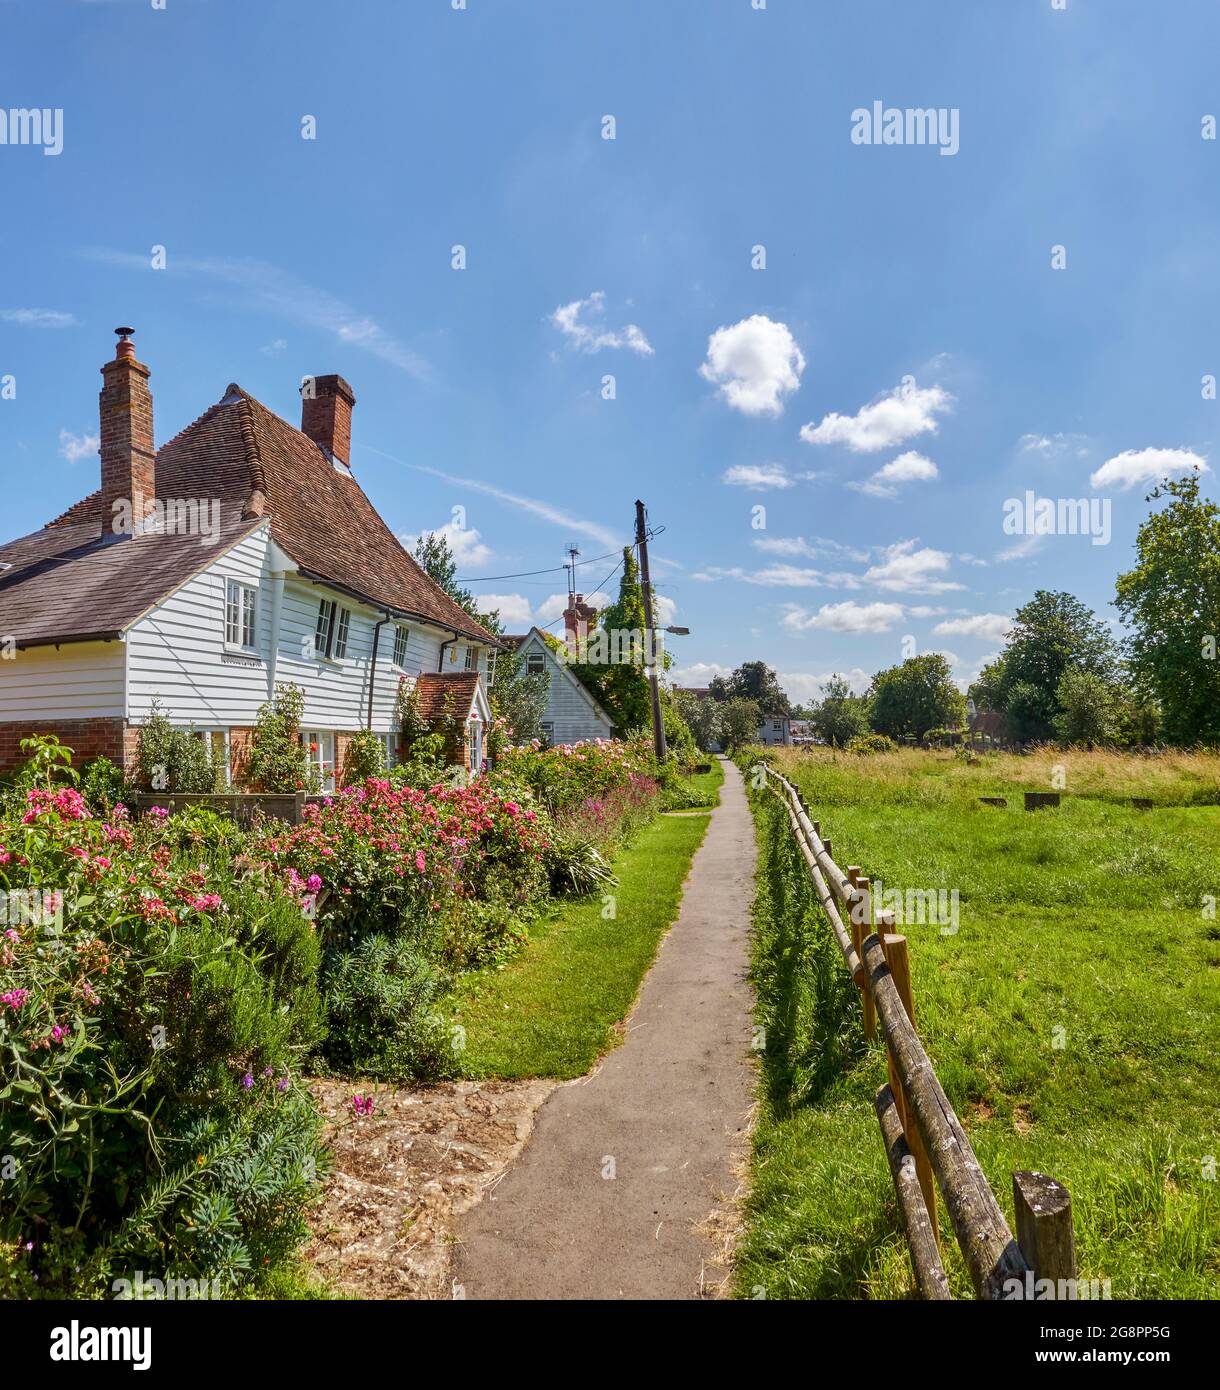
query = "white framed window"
{"x": 535, "y": 664}
{"x": 390, "y": 744}
{"x": 330, "y": 635}
{"x": 326, "y": 613}
{"x": 472, "y": 658}
{"x": 216, "y": 741}
{"x": 341, "y": 628}
{"x": 320, "y": 747}
{"x": 548, "y": 731}
{"x": 401, "y": 634}
{"x": 241, "y": 606}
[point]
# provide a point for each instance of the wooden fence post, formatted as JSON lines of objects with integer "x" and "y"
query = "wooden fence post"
{"x": 1044, "y": 1225}
{"x": 864, "y": 899}
{"x": 898, "y": 960}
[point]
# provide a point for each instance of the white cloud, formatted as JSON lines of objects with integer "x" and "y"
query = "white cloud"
{"x": 907, "y": 570}
{"x": 1054, "y": 446}
{"x": 514, "y": 609}
{"x": 75, "y": 447}
{"x": 755, "y": 363}
{"x": 906, "y": 468}
{"x": 990, "y": 627}
{"x": 813, "y": 549}
{"x": 256, "y": 283}
{"x": 38, "y": 318}
{"x": 275, "y": 348}
{"x": 782, "y": 576}
{"x": 803, "y": 687}
{"x": 468, "y": 550}
{"x": 1020, "y": 550}
{"x": 534, "y": 506}
{"x": 903, "y": 413}
{"x": 1146, "y": 466}
{"x": 698, "y": 674}
{"x": 584, "y": 337}
{"x": 759, "y": 476}
{"x": 844, "y": 617}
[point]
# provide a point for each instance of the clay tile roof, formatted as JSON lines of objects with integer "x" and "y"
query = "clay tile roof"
{"x": 66, "y": 584}
{"x": 432, "y": 688}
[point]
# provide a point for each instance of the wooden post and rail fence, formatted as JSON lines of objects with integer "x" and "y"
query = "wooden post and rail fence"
{"x": 924, "y": 1140}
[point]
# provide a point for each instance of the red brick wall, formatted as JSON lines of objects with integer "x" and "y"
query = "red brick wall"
{"x": 128, "y": 459}
{"x": 88, "y": 738}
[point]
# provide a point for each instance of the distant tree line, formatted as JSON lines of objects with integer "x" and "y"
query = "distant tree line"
{"x": 1062, "y": 674}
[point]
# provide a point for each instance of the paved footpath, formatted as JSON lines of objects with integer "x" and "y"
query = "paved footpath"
{"x": 665, "y": 1113}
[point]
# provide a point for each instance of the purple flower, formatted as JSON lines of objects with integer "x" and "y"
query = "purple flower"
{"x": 248, "y": 1080}
{"x": 282, "y": 1084}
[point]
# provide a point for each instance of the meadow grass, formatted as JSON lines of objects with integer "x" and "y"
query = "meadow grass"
{"x": 555, "y": 1008}
{"x": 1072, "y": 1019}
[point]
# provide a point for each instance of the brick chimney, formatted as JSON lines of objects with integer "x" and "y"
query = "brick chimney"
{"x": 326, "y": 415}
{"x": 577, "y": 619}
{"x": 129, "y": 460}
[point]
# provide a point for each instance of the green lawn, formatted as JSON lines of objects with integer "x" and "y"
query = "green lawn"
{"x": 1072, "y": 1019}
{"x": 555, "y": 1008}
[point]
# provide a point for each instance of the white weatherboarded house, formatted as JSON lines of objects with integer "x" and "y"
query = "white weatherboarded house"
{"x": 572, "y": 714}
{"x": 240, "y": 555}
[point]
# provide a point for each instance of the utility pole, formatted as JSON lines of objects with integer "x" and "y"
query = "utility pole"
{"x": 650, "y": 653}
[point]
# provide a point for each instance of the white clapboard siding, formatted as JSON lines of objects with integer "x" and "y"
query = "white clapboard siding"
{"x": 81, "y": 680}
{"x": 177, "y": 652}
{"x": 570, "y": 710}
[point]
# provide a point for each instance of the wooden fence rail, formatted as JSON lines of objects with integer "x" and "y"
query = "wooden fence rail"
{"x": 924, "y": 1139}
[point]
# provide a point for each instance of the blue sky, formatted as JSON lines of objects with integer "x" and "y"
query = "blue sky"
{"x": 735, "y": 387}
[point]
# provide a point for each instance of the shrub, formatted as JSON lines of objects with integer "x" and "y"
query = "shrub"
{"x": 279, "y": 762}
{"x": 576, "y": 865}
{"x": 381, "y": 999}
{"x": 102, "y": 784}
{"x": 867, "y": 744}
{"x": 132, "y": 1014}
{"x": 172, "y": 759}
{"x": 365, "y": 757}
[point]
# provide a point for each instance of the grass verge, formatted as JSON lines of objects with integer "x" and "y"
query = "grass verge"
{"x": 555, "y": 1008}
{"x": 1071, "y": 1019}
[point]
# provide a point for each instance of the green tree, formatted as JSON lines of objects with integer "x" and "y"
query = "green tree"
{"x": 1051, "y": 634}
{"x": 841, "y": 715}
{"x": 752, "y": 680}
{"x": 739, "y": 722}
{"x": 621, "y": 687}
{"x": 434, "y": 555}
{"x": 518, "y": 698}
{"x": 1171, "y": 601}
{"x": 702, "y": 715}
{"x": 1088, "y": 708}
{"x": 918, "y": 695}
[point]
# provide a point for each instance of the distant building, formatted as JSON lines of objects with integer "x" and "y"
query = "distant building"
{"x": 572, "y": 713}
{"x": 775, "y": 729}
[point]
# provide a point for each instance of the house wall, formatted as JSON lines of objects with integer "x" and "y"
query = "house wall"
{"x": 569, "y": 709}
{"x": 80, "y": 680}
{"x": 177, "y": 652}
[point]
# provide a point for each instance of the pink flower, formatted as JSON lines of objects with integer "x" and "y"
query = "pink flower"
{"x": 209, "y": 902}
{"x": 313, "y": 883}
{"x": 15, "y": 998}
{"x": 420, "y": 862}
{"x": 363, "y": 1105}
{"x": 159, "y": 811}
